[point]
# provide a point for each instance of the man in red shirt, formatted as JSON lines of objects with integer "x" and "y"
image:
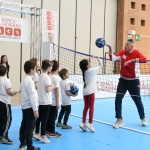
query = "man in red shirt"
{"x": 129, "y": 80}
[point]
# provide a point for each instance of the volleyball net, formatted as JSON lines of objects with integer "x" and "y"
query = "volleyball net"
{"x": 108, "y": 76}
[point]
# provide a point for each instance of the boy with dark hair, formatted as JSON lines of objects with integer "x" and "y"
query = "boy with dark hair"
{"x": 45, "y": 87}
{"x": 66, "y": 100}
{"x": 29, "y": 105}
{"x": 56, "y": 102}
{"x": 5, "y": 108}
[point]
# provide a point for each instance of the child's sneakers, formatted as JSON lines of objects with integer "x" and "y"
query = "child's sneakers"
{"x": 36, "y": 136}
{"x": 83, "y": 127}
{"x": 22, "y": 147}
{"x": 53, "y": 135}
{"x": 6, "y": 140}
{"x": 90, "y": 126}
{"x": 66, "y": 126}
{"x": 36, "y": 148}
{"x": 59, "y": 124}
{"x": 44, "y": 139}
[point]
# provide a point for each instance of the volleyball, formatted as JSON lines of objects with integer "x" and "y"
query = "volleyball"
{"x": 100, "y": 43}
{"x": 74, "y": 89}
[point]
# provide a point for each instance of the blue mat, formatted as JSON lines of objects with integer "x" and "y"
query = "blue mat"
{"x": 105, "y": 137}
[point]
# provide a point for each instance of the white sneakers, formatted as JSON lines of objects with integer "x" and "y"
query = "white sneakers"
{"x": 144, "y": 122}
{"x": 36, "y": 136}
{"x": 90, "y": 126}
{"x": 118, "y": 123}
{"x": 42, "y": 139}
{"x": 84, "y": 127}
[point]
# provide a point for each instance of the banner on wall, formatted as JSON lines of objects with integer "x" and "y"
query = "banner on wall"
{"x": 50, "y": 29}
{"x": 15, "y": 29}
{"x": 107, "y": 87}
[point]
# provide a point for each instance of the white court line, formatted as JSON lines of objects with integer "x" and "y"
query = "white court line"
{"x": 127, "y": 128}
{"x": 123, "y": 127}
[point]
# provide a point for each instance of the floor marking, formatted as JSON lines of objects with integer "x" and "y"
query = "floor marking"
{"x": 123, "y": 127}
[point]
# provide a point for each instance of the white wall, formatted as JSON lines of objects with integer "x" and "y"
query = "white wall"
{"x": 67, "y": 21}
{"x": 111, "y": 23}
{"x": 12, "y": 50}
{"x": 97, "y": 25}
{"x": 67, "y": 30}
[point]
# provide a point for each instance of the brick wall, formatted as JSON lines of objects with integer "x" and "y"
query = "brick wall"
{"x": 125, "y": 13}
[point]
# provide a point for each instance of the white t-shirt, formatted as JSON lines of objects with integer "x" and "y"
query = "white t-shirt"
{"x": 29, "y": 97}
{"x": 56, "y": 82}
{"x": 45, "y": 98}
{"x": 35, "y": 77}
{"x": 4, "y": 85}
{"x": 64, "y": 86}
{"x": 90, "y": 80}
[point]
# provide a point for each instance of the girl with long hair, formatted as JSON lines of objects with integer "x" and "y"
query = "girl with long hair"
{"x": 89, "y": 89}
{"x": 4, "y": 61}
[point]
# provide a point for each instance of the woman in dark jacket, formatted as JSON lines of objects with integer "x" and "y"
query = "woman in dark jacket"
{"x": 4, "y": 61}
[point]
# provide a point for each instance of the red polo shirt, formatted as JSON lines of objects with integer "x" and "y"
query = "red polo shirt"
{"x": 131, "y": 70}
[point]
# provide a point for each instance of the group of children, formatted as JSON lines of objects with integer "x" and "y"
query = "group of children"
{"x": 41, "y": 96}
{"x": 44, "y": 96}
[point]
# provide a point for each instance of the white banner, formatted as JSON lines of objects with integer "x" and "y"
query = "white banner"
{"x": 50, "y": 29}
{"x": 107, "y": 86}
{"x": 15, "y": 29}
{"x": 49, "y": 26}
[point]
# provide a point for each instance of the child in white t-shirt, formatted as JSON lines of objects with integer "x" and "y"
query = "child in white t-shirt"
{"x": 5, "y": 108}
{"x": 66, "y": 100}
{"x": 45, "y": 87}
{"x": 29, "y": 104}
{"x": 56, "y": 102}
{"x": 89, "y": 90}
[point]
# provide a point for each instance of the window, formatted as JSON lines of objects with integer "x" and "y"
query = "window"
{"x": 143, "y": 7}
{"x": 142, "y": 22}
{"x": 133, "y": 5}
{"x": 132, "y": 21}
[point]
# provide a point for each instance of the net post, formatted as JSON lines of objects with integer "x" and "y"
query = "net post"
{"x": 75, "y": 36}
{"x": 38, "y": 38}
{"x": 21, "y": 46}
{"x": 59, "y": 29}
{"x": 104, "y": 31}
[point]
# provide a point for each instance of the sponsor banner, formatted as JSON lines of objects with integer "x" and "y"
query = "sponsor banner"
{"x": 49, "y": 26}
{"x": 107, "y": 87}
{"x": 50, "y": 29}
{"x": 15, "y": 29}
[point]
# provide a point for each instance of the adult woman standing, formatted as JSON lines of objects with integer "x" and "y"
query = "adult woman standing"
{"x": 4, "y": 61}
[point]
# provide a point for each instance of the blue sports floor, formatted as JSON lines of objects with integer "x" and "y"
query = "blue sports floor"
{"x": 105, "y": 137}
